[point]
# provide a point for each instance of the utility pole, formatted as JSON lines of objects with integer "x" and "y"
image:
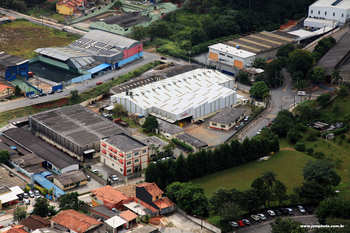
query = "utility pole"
{"x": 189, "y": 57}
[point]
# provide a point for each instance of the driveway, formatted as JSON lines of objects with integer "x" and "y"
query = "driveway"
{"x": 182, "y": 222}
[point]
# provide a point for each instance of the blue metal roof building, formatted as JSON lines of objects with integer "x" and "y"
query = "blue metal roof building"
{"x": 47, "y": 184}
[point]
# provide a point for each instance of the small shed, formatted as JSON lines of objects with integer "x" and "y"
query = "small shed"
{"x": 226, "y": 118}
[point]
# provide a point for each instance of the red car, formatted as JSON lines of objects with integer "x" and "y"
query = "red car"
{"x": 240, "y": 223}
{"x": 268, "y": 124}
{"x": 99, "y": 83}
{"x": 163, "y": 58}
{"x": 1, "y": 226}
{"x": 13, "y": 202}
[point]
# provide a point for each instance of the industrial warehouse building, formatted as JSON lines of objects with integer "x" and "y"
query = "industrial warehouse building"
{"x": 11, "y": 66}
{"x": 242, "y": 51}
{"x": 75, "y": 129}
{"x": 27, "y": 143}
{"x": 98, "y": 49}
{"x": 196, "y": 94}
{"x": 328, "y": 13}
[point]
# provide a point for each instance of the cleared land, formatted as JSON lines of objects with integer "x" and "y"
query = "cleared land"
{"x": 21, "y": 38}
{"x": 287, "y": 165}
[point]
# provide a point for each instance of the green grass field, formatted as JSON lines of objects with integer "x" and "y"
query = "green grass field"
{"x": 21, "y": 38}
{"x": 286, "y": 164}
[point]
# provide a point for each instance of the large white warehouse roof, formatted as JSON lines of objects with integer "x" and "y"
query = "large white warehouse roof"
{"x": 341, "y": 4}
{"x": 179, "y": 93}
{"x": 232, "y": 50}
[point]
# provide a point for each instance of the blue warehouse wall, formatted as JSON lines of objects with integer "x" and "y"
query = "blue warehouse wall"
{"x": 130, "y": 59}
{"x": 13, "y": 71}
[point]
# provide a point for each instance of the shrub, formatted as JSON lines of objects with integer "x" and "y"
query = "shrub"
{"x": 299, "y": 146}
{"x": 177, "y": 142}
{"x": 309, "y": 150}
{"x": 348, "y": 139}
{"x": 342, "y": 136}
{"x": 319, "y": 155}
{"x": 99, "y": 8}
{"x": 324, "y": 98}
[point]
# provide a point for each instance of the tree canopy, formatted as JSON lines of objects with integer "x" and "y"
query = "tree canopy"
{"x": 41, "y": 207}
{"x": 150, "y": 123}
{"x": 4, "y": 156}
{"x": 300, "y": 60}
{"x": 333, "y": 208}
{"x": 70, "y": 201}
{"x": 287, "y": 225}
{"x": 259, "y": 89}
{"x": 19, "y": 213}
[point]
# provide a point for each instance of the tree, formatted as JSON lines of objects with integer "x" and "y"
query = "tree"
{"x": 318, "y": 74}
{"x": 182, "y": 169}
{"x": 150, "y": 123}
{"x": 19, "y": 213}
{"x": 197, "y": 36}
{"x": 335, "y": 221}
{"x": 322, "y": 171}
{"x": 139, "y": 32}
{"x": 230, "y": 211}
{"x": 75, "y": 95}
{"x": 269, "y": 178}
{"x": 189, "y": 197}
{"x": 280, "y": 191}
{"x": 273, "y": 72}
{"x": 282, "y": 125}
{"x": 4, "y": 156}
{"x": 152, "y": 173}
{"x": 220, "y": 196}
{"x": 294, "y": 135}
{"x": 262, "y": 189}
{"x": 41, "y": 207}
{"x": 118, "y": 4}
{"x": 259, "y": 62}
{"x": 160, "y": 29}
{"x": 243, "y": 78}
{"x": 333, "y": 208}
{"x": 336, "y": 76}
{"x": 276, "y": 144}
{"x": 259, "y": 89}
{"x": 300, "y": 60}
{"x": 169, "y": 148}
{"x": 287, "y": 225}
{"x": 118, "y": 109}
{"x": 343, "y": 90}
{"x": 18, "y": 90}
{"x": 285, "y": 50}
{"x": 70, "y": 201}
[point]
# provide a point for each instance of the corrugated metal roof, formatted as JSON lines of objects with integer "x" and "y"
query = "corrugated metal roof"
{"x": 111, "y": 39}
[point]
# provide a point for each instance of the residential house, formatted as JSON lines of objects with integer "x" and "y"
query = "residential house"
{"x": 16, "y": 229}
{"x": 102, "y": 212}
{"x": 107, "y": 196}
{"x": 70, "y": 7}
{"x": 33, "y": 222}
{"x": 194, "y": 142}
{"x": 70, "y": 179}
{"x": 129, "y": 217}
{"x": 73, "y": 221}
{"x": 226, "y": 118}
{"x": 6, "y": 91}
{"x": 115, "y": 224}
{"x": 151, "y": 194}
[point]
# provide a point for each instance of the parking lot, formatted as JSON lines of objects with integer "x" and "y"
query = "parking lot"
{"x": 296, "y": 213}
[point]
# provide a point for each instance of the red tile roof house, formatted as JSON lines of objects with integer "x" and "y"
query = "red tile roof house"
{"x": 107, "y": 196}
{"x": 151, "y": 194}
{"x": 33, "y": 222}
{"x": 74, "y": 221}
{"x": 16, "y": 229}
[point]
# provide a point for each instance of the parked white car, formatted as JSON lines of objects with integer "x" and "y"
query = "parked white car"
{"x": 301, "y": 93}
{"x": 262, "y": 217}
{"x": 301, "y": 209}
{"x": 271, "y": 213}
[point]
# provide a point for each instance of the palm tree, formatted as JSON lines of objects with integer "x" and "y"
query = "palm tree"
{"x": 269, "y": 178}
{"x": 336, "y": 75}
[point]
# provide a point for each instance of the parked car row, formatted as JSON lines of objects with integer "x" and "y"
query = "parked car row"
{"x": 33, "y": 96}
{"x": 271, "y": 213}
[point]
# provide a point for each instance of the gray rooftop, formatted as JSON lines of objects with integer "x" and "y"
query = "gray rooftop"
{"x": 9, "y": 181}
{"x": 31, "y": 143}
{"x": 126, "y": 20}
{"x": 111, "y": 39}
{"x": 27, "y": 160}
{"x": 169, "y": 128}
{"x": 155, "y": 141}
{"x": 124, "y": 142}
{"x": 336, "y": 56}
{"x": 262, "y": 41}
{"x": 8, "y": 60}
{"x": 71, "y": 177}
{"x": 103, "y": 210}
{"x": 133, "y": 83}
{"x": 228, "y": 115}
{"x": 35, "y": 169}
{"x": 192, "y": 140}
{"x": 3, "y": 146}
{"x": 18, "y": 120}
{"x": 78, "y": 124}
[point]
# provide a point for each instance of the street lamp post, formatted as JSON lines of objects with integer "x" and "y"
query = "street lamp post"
{"x": 201, "y": 223}
{"x": 189, "y": 55}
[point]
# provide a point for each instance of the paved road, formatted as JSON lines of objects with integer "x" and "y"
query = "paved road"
{"x": 265, "y": 227}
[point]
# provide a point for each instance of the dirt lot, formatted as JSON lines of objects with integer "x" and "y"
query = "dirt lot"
{"x": 182, "y": 222}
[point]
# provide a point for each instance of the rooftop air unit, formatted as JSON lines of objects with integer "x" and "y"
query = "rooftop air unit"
{"x": 158, "y": 88}
{"x": 237, "y": 46}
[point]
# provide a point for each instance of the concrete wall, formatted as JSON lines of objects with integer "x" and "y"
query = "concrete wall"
{"x": 330, "y": 13}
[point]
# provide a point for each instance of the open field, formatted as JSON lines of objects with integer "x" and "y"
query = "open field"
{"x": 21, "y": 38}
{"x": 286, "y": 164}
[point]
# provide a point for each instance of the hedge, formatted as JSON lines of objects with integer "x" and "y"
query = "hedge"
{"x": 177, "y": 142}
{"x": 336, "y": 132}
{"x": 304, "y": 128}
{"x": 299, "y": 146}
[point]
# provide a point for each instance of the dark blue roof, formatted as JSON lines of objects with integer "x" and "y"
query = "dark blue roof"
{"x": 47, "y": 184}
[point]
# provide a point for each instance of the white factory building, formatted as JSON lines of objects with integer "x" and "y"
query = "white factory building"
{"x": 233, "y": 56}
{"x": 196, "y": 94}
{"x": 328, "y": 13}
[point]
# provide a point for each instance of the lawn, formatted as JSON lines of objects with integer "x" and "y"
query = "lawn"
{"x": 21, "y": 38}
{"x": 58, "y": 17}
{"x": 286, "y": 164}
